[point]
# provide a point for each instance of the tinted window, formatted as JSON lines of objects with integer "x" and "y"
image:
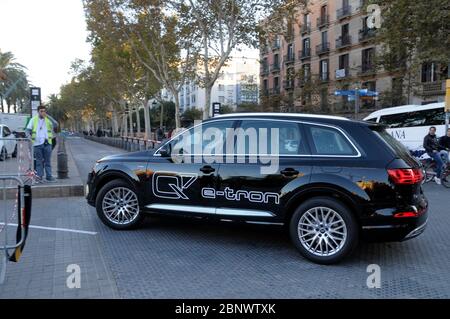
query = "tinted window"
{"x": 395, "y": 145}
{"x": 6, "y": 131}
{"x": 286, "y": 136}
{"x": 330, "y": 141}
{"x": 374, "y": 119}
{"x": 412, "y": 119}
{"x": 209, "y": 137}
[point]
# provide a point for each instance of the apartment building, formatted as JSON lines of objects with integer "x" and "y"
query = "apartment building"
{"x": 332, "y": 48}
{"x": 237, "y": 84}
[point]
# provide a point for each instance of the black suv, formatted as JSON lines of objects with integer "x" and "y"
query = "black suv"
{"x": 331, "y": 180}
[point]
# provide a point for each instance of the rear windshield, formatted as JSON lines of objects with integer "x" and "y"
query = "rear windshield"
{"x": 395, "y": 145}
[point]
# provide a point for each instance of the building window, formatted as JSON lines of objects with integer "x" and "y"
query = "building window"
{"x": 276, "y": 82}
{"x": 221, "y": 87}
{"x": 343, "y": 61}
{"x": 368, "y": 56}
{"x": 306, "y": 72}
{"x": 429, "y": 72}
{"x": 324, "y": 70}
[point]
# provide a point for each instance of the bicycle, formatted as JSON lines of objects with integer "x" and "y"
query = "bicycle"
{"x": 429, "y": 168}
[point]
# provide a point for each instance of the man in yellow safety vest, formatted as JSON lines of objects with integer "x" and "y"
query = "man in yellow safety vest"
{"x": 41, "y": 127}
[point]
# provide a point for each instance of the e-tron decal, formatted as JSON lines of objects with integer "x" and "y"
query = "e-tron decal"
{"x": 172, "y": 185}
{"x": 231, "y": 194}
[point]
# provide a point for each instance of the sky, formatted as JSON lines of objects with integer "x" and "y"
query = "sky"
{"x": 45, "y": 36}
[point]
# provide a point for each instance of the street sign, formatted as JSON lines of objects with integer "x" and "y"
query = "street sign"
{"x": 216, "y": 109}
{"x": 35, "y": 98}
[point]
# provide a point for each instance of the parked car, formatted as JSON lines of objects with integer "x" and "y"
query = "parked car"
{"x": 8, "y": 146}
{"x": 338, "y": 181}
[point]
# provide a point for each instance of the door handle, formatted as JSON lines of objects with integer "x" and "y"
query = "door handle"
{"x": 207, "y": 169}
{"x": 289, "y": 172}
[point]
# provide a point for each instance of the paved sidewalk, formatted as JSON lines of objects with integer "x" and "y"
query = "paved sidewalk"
{"x": 72, "y": 186}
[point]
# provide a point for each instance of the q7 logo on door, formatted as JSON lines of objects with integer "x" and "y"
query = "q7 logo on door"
{"x": 172, "y": 185}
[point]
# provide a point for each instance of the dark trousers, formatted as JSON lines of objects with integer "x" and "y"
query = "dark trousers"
{"x": 43, "y": 157}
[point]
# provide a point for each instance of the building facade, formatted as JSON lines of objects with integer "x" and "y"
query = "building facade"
{"x": 237, "y": 84}
{"x": 332, "y": 48}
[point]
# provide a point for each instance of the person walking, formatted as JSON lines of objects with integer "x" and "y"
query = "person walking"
{"x": 40, "y": 128}
{"x": 434, "y": 150}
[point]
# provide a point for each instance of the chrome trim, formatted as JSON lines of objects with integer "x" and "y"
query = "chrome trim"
{"x": 330, "y": 117}
{"x": 380, "y": 227}
{"x": 280, "y": 155}
{"x": 211, "y": 210}
{"x": 417, "y": 231}
{"x": 243, "y": 212}
{"x": 183, "y": 208}
{"x": 264, "y": 223}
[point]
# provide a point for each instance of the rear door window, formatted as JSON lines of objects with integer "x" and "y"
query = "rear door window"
{"x": 328, "y": 141}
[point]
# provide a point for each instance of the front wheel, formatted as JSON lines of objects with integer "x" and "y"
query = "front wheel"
{"x": 430, "y": 171}
{"x": 324, "y": 230}
{"x": 117, "y": 206}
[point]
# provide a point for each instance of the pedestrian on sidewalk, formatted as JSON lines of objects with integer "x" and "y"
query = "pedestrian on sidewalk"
{"x": 40, "y": 128}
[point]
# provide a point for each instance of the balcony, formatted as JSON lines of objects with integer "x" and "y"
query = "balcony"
{"x": 274, "y": 91}
{"x": 344, "y": 12}
{"x": 433, "y": 88}
{"x": 276, "y": 45}
{"x": 366, "y": 70}
{"x": 343, "y": 41}
{"x": 289, "y": 84}
{"x": 366, "y": 35}
{"x": 323, "y": 48}
{"x": 342, "y": 74}
{"x": 275, "y": 67}
{"x": 265, "y": 71}
{"x": 289, "y": 58}
{"x": 306, "y": 28}
{"x": 323, "y": 21}
{"x": 305, "y": 54}
{"x": 265, "y": 92}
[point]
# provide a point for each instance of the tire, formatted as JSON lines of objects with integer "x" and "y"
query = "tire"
{"x": 445, "y": 180}
{"x": 3, "y": 154}
{"x": 430, "y": 172}
{"x": 14, "y": 154}
{"x": 306, "y": 237}
{"x": 114, "y": 214}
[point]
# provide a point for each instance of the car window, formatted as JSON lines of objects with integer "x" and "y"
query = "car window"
{"x": 6, "y": 131}
{"x": 207, "y": 138}
{"x": 415, "y": 118}
{"x": 285, "y": 136}
{"x": 330, "y": 141}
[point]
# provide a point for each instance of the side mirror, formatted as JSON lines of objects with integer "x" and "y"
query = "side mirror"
{"x": 165, "y": 150}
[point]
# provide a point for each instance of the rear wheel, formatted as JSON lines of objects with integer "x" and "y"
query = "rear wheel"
{"x": 445, "y": 179}
{"x": 3, "y": 154}
{"x": 430, "y": 171}
{"x": 324, "y": 230}
{"x": 117, "y": 205}
{"x": 14, "y": 154}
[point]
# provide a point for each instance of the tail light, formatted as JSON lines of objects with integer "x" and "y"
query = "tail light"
{"x": 406, "y": 176}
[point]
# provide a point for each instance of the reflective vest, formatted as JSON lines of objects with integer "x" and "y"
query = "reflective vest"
{"x": 49, "y": 129}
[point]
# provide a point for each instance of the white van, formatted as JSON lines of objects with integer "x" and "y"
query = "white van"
{"x": 410, "y": 123}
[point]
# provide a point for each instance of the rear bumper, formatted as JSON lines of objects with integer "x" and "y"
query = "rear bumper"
{"x": 396, "y": 230}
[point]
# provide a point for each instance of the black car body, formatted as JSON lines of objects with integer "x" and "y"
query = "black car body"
{"x": 337, "y": 181}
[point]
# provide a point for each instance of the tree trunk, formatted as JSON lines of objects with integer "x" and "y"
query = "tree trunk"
{"x": 177, "y": 112}
{"x": 8, "y": 105}
{"x": 130, "y": 112}
{"x": 138, "y": 120}
{"x": 206, "y": 110}
{"x": 147, "y": 119}
{"x": 1, "y": 102}
{"x": 161, "y": 116}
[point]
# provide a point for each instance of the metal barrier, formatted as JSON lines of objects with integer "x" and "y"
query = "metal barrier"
{"x": 130, "y": 144}
{"x": 21, "y": 175}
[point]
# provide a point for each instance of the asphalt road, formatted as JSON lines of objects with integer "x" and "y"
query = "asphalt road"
{"x": 184, "y": 258}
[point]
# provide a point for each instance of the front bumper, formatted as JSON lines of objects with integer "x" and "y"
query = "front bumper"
{"x": 89, "y": 190}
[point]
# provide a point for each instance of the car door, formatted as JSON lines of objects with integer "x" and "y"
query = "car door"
{"x": 186, "y": 165}
{"x": 258, "y": 187}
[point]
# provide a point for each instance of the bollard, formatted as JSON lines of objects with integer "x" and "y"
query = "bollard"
{"x": 62, "y": 160}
